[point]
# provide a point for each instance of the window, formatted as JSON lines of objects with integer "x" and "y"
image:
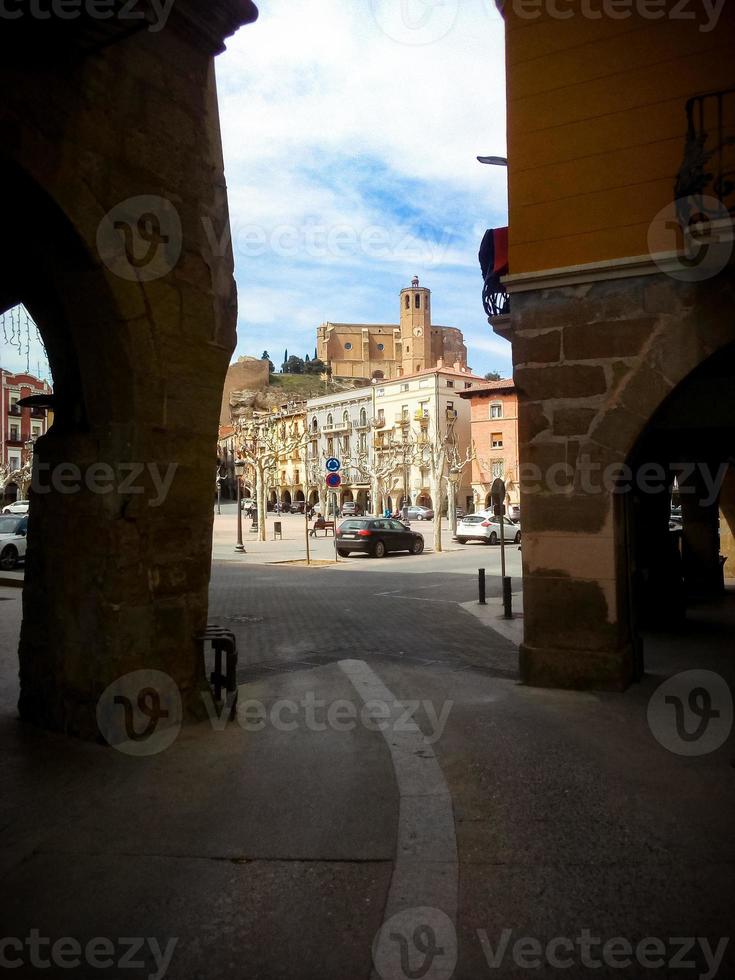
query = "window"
{"x": 363, "y": 417}
{"x": 35, "y": 431}
{"x": 14, "y": 433}
{"x": 408, "y": 302}
{"x": 497, "y": 469}
{"x": 418, "y": 301}
{"x": 496, "y": 410}
{"x": 381, "y": 415}
{"x": 380, "y": 391}
{"x": 450, "y": 384}
{"x": 345, "y": 445}
{"x": 348, "y": 346}
{"x": 381, "y": 346}
{"x": 496, "y": 440}
{"x": 14, "y": 462}
{"x": 296, "y": 476}
{"x": 330, "y": 446}
{"x": 450, "y": 406}
{"x": 330, "y": 420}
{"x": 404, "y": 412}
{"x": 345, "y": 417}
{"x": 404, "y": 387}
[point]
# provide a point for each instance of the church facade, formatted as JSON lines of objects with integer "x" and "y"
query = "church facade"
{"x": 388, "y": 350}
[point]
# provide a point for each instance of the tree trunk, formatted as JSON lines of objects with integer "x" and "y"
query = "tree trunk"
{"x": 260, "y": 498}
{"x": 452, "y": 509}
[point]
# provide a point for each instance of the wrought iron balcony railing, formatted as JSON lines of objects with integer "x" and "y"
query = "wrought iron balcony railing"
{"x": 708, "y": 167}
{"x": 493, "y": 256}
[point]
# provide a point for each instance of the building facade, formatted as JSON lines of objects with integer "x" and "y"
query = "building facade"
{"x": 494, "y": 433}
{"x": 423, "y": 407}
{"x": 20, "y": 427}
{"x": 621, "y": 286}
{"x": 384, "y": 351}
{"x": 340, "y": 425}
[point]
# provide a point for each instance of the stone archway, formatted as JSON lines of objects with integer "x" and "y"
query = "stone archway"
{"x": 136, "y": 305}
{"x": 286, "y": 498}
{"x": 578, "y": 423}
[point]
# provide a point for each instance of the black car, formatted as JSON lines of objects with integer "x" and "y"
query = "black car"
{"x": 376, "y": 536}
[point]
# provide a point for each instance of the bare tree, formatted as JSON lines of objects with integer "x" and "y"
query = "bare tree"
{"x": 262, "y": 441}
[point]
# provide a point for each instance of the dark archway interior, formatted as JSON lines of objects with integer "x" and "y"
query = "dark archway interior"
{"x": 680, "y": 516}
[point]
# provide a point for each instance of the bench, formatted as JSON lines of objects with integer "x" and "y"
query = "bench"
{"x": 324, "y": 526}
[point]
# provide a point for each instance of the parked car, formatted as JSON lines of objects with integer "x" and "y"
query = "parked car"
{"x": 420, "y": 514}
{"x": 377, "y": 536}
{"x": 13, "y": 530}
{"x": 350, "y": 509}
{"x": 298, "y": 507}
{"x": 17, "y": 507}
{"x": 485, "y": 528}
{"x": 514, "y": 513}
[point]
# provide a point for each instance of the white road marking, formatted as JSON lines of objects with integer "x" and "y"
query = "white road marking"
{"x": 426, "y": 871}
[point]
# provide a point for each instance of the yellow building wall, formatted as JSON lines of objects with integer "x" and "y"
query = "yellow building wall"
{"x": 596, "y": 126}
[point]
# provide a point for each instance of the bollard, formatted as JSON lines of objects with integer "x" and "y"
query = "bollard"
{"x": 481, "y": 584}
{"x": 507, "y": 599}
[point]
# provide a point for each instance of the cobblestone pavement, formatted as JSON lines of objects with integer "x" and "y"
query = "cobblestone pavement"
{"x": 406, "y": 610}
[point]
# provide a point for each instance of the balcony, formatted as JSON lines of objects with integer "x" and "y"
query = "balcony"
{"x": 337, "y": 427}
{"x": 402, "y": 418}
{"x": 705, "y": 185}
{"x": 15, "y": 410}
{"x": 422, "y": 417}
{"x": 493, "y": 257}
{"x": 379, "y": 422}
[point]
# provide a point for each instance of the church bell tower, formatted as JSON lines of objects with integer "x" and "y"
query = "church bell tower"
{"x": 415, "y": 328}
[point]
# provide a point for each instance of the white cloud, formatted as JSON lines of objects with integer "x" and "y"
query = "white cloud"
{"x": 350, "y": 158}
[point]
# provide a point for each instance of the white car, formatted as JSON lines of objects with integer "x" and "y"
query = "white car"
{"x": 17, "y": 507}
{"x": 486, "y": 528}
{"x": 13, "y": 530}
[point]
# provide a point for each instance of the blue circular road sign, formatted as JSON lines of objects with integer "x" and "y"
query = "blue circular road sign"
{"x": 333, "y": 464}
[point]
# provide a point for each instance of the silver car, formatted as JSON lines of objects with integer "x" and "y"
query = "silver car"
{"x": 486, "y": 528}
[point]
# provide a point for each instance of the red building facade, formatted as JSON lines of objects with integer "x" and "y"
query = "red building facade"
{"x": 19, "y": 426}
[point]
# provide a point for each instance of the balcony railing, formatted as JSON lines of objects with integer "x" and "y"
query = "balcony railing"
{"x": 493, "y": 257}
{"x": 14, "y": 410}
{"x": 708, "y": 167}
{"x": 337, "y": 427}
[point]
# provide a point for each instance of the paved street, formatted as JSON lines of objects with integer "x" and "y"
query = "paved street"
{"x": 302, "y": 841}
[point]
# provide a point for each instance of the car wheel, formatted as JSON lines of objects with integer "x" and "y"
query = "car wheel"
{"x": 8, "y": 558}
{"x": 342, "y": 553}
{"x": 417, "y": 547}
{"x": 493, "y": 539}
{"x": 517, "y": 538}
{"x": 462, "y": 540}
{"x": 378, "y": 550}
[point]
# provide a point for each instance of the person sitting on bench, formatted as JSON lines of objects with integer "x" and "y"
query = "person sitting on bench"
{"x": 319, "y": 525}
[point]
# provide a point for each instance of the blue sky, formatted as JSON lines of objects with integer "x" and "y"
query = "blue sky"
{"x": 350, "y": 131}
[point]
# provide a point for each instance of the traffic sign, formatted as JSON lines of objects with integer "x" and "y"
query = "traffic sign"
{"x": 333, "y": 464}
{"x": 497, "y": 491}
{"x": 333, "y": 480}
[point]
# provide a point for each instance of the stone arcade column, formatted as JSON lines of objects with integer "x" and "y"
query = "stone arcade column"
{"x": 131, "y": 285}
{"x": 727, "y": 522}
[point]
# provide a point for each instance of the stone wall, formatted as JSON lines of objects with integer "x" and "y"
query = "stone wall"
{"x": 122, "y": 140}
{"x": 592, "y": 364}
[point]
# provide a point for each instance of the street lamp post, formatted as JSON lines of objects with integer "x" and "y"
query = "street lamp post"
{"x": 239, "y": 468}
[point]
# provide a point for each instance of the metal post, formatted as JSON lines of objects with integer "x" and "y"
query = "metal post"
{"x": 481, "y": 585}
{"x": 306, "y": 522}
{"x": 239, "y": 546}
{"x": 219, "y": 495}
{"x": 507, "y": 599}
{"x": 334, "y": 517}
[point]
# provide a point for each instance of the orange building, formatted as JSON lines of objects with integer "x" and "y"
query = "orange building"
{"x": 619, "y": 299}
{"x": 494, "y": 435}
